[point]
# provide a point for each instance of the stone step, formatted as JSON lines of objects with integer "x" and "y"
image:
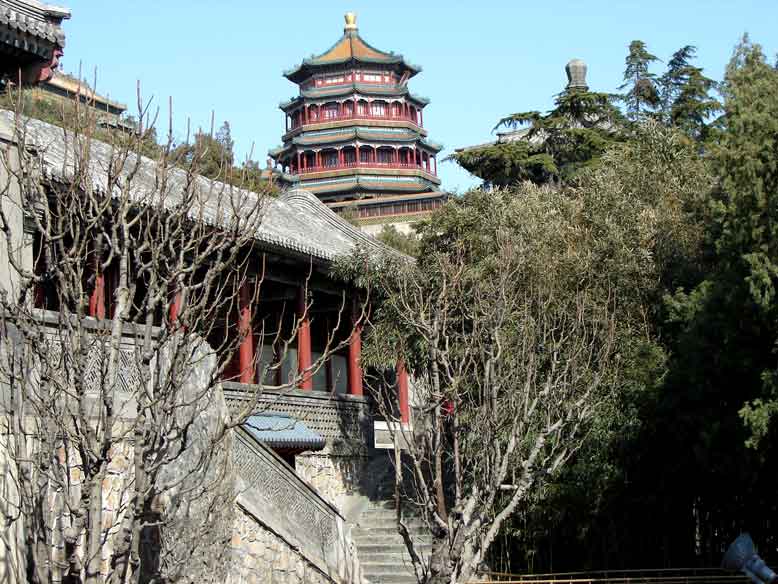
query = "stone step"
{"x": 391, "y": 579}
{"x": 375, "y": 535}
{"x": 366, "y": 550}
{"x": 390, "y": 518}
{"x": 387, "y": 567}
{"x": 388, "y": 557}
{"x": 378, "y": 529}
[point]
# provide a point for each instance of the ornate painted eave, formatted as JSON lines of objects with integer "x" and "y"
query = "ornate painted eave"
{"x": 392, "y": 199}
{"x": 367, "y": 90}
{"x": 359, "y": 184}
{"x": 354, "y": 133}
{"x": 351, "y": 48}
{"x": 29, "y": 26}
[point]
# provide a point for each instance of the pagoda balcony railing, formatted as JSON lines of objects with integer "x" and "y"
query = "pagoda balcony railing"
{"x": 376, "y": 165}
{"x": 355, "y": 116}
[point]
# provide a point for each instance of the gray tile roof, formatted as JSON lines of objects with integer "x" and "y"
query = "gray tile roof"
{"x": 283, "y": 431}
{"x": 295, "y": 221}
{"x": 32, "y": 26}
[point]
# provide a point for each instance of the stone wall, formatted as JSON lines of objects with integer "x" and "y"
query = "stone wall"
{"x": 334, "y": 477}
{"x": 259, "y": 556}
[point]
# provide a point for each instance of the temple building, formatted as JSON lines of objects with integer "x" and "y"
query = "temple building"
{"x": 355, "y": 135}
{"x": 31, "y": 40}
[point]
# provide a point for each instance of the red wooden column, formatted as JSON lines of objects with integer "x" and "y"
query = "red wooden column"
{"x": 246, "y": 349}
{"x": 175, "y": 308}
{"x": 97, "y": 298}
{"x": 402, "y": 392}
{"x": 435, "y": 162}
{"x": 355, "y": 354}
{"x": 304, "y": 357}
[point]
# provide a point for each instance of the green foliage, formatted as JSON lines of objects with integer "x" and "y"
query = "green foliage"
{"x": 746, "y": 228}
{"x": 642, "y": 94}
{"x": 686, "y": 102}
{"x": 407, "y": 243}
{"x": 645, "y": 211}
{"x": 555, "y": 146}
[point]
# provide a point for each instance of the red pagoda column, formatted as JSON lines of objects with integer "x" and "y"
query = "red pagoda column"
{"x": 304, "y": 357}
{"x": 435, "y": 162}
{"x": 246, "y": 350}
{"x": 175, "y": 308}
{"x": 354, "y": 354}
{"x": 97, "y": 298}
{"x": 402, "y": 392}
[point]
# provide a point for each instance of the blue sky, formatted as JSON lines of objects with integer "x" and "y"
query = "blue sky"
{"x": 481, "y": 60}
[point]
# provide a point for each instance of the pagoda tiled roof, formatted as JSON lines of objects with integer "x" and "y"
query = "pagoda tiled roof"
{"x": 423, "y": 196}
{"x": 350, "y": 48}
{"x": 295, "y": 223}
{"x": 353, "y": 133}
{"x": 31, "y": 26}
{"x": 358, "y": 182}
{"x": 366, "y": 89}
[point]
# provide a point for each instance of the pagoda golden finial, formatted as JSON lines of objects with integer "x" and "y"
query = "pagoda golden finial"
{"x": 351, "y": 21}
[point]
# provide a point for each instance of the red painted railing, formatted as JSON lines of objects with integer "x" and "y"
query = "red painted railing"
{"x": 355, "y": 116}
{"x": 347, "y": 165}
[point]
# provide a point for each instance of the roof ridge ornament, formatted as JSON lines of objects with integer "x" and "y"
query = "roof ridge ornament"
{"x": 351, "y": 22}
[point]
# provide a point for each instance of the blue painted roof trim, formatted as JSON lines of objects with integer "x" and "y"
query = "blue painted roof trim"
{"x": 278, "y": 430}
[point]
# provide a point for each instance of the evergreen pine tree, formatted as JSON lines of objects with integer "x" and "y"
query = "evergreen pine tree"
{"x": 554, "y": 146}
{"x": 686, "y": 102}
{"x": 642, "y": 94}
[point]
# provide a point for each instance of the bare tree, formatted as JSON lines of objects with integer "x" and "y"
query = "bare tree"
{"x": 126, "y": 281}
{"x": 507, "y": 329}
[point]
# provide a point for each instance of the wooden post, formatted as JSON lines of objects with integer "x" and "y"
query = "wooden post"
{"x": 402, "y": 392}
{"x": 175, "y": 308}
{"x": 304, "y": 357}
{"x": 355, "y": 354}
{"x": 246, "y": 332}
{"x": 97, "y": 298}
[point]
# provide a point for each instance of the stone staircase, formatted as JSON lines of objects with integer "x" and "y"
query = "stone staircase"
{"x": 382, "y": 551}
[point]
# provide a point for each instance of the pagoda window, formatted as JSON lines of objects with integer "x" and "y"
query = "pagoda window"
{"x": 348, "y": 108}
{"x": 396, "y": 109}
{"x": 378, "y": 108}
{"x": 334, "y": 79}
{"x": 372, "y": 77}
{"x": 384, "y": 155}
{"x": 349, "y": 155}
{"x": 313, "y": 112}
{"x": 330, "y": 111}
{"x": 329, "y": 158}
{"x": 362, "y": 108}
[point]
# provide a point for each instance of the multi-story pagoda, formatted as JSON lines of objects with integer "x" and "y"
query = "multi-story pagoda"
{"x": 355, "y": 134}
